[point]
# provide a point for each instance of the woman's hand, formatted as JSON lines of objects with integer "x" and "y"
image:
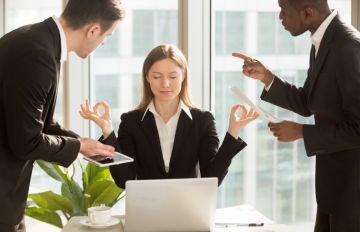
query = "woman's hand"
{"x": 103, "y": 121}
{"x": 236, "y": 123}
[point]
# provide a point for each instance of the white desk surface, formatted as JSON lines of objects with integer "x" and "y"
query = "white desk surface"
{"x": 74, "y": 226}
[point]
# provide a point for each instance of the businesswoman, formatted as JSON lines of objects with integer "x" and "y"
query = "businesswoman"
{"x": 166, "y": 135}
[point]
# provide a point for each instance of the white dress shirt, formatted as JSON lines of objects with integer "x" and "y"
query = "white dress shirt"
{"x": 167, "y": 130}
{"x": 316, "y": 37}
{"x": 319, "y": 33}
{"x": 62, "y": 39}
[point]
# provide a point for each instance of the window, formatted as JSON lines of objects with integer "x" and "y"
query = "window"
{"x": 229, "y": 23}
{"x": 277, "y": 178}
{"x": 116, "y": 67}
{"x": 23, "y": 12}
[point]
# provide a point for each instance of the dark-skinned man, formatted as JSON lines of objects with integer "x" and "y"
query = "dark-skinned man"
{"x": 331, "y": 94}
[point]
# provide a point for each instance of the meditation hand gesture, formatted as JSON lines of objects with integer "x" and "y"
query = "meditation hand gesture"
{"x": 255, "y": 69}
{"x": 103, "y": 121}
{"x": 237, "y": 123}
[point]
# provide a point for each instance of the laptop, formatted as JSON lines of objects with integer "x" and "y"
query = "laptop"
{"x": 170, "y": 205}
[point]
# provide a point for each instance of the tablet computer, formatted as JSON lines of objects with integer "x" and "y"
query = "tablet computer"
{"x": 118, "y": 158}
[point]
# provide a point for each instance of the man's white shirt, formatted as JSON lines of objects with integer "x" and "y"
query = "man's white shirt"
{"x": 62, "y": 39}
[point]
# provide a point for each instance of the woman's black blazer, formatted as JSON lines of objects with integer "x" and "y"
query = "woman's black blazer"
{"x": 196, "y": 146}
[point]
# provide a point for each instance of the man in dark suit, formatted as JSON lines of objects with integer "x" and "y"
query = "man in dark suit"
{"x": 331, "y": 94}
{"x": 30, "y": 60}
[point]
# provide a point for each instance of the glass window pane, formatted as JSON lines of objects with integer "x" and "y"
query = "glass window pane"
{"x": 231, "y": 25}
{"x": 277, "y": 178}
{"x": 19, "y": 13}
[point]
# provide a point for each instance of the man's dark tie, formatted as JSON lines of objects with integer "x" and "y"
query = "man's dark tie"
{"x": 312, "y": 58}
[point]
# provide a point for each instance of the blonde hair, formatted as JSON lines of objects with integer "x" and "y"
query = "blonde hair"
{"x": 159, "y": 53}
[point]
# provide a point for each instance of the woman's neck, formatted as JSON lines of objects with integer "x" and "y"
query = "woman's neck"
{"x": 166, "y": 109}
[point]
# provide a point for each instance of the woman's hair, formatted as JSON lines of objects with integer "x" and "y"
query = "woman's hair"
{"x": 159, "y": 53}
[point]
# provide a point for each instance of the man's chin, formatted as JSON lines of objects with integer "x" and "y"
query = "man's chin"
{"x": 81, "y": 55}
{"x": 297, "y": 33}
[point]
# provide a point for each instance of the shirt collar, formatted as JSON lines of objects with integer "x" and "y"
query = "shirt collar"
{"x": 62, "y": 39}
{"x": 182, "y": 106}
{"x": 319, "y": 33}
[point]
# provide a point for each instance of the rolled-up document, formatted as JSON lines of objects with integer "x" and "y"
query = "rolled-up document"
{"x": 266, "y": 115}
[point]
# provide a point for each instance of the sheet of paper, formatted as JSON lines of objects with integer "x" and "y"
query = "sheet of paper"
{"x": 266, "y": 115}
{"x": 267, "y": 228}
{"x": 241, "y": 214}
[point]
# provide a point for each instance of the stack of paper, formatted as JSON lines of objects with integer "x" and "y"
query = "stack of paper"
{"x": 238, "y": 217}
{"x": 242, "y": 214}
{"x": 266, "y": 115}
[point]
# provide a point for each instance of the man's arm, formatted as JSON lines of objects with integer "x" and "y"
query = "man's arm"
{"x": 288, "y": 96}
{"x": 54, "y": 128}
{"x": 26, "y": 92}
{"x": 276, "y": 91}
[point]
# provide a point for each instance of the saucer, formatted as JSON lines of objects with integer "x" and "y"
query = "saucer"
{"x": 86, "y": 222}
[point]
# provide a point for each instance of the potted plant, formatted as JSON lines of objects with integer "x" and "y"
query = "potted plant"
{"x": 97, "y": 188}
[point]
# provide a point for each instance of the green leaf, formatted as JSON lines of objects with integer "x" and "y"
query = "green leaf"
{"x": 52, "y": 170}
{"x": 85, "y": 179}
{"x": 103, "y": 192}
{"x": 96, "y": 173}
{"x": 44, "y": 216}
{"x": 73, "y": 192}
{"x": 52, "y": 202}
{"x": 121, "y": 195}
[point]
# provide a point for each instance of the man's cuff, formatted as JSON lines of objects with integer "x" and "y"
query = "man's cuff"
{"x": 267, "y": 88}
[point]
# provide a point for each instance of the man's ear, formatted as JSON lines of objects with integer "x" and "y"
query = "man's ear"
{"x": 307, "y": 14}
{"x": 92, "y": 30}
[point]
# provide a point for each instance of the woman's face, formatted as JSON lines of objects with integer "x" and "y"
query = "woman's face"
{"x": 165, "y": 78}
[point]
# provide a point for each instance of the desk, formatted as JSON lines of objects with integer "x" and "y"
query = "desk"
{"x": 74, "y": 224}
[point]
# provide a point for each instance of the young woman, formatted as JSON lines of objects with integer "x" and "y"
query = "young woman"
{"x": 166, "y": 135}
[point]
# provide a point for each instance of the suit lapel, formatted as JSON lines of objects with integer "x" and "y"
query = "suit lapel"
{"x": 323, "y": 52}
{"x": 182, "y": 131}
{"x": 149, "y": 126}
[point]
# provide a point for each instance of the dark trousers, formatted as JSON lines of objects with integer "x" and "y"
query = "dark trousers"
{"x": 10, "y": 228}
{"x": 337, "y": 223}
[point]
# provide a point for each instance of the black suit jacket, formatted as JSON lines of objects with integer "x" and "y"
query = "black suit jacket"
{"x": 332, "y": 94}
{"x": 196, "y": 145}
{"x": 29, "y": 76}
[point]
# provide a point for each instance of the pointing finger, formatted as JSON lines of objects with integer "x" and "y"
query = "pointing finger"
{"x": 241, "y": 56}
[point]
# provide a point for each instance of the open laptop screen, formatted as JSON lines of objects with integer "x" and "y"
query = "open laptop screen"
{"x": 171, "y": 205}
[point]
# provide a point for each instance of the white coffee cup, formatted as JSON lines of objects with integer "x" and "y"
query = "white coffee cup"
{"x": 99, "y": 215}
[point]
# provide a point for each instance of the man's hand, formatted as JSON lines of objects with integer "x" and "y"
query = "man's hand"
{"x": 286, "y": 131}
{"x": 255, "y": 69}
{"x": 90, "y": 147}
